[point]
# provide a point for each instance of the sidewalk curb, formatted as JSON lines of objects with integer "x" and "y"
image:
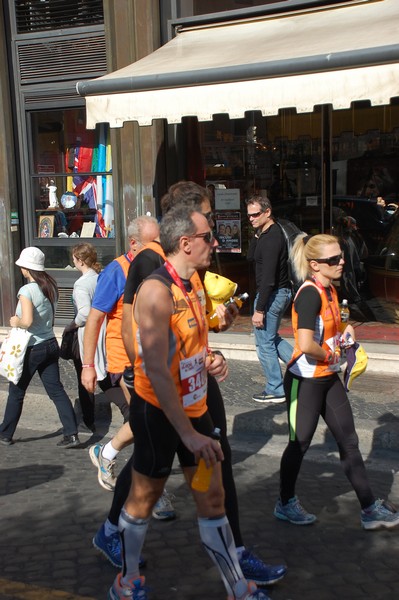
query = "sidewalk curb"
{"x": 383, "y": 358}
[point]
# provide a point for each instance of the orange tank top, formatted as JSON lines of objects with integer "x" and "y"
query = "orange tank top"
{"x": 326, "y": 334}
{"x": 187, "y": 351}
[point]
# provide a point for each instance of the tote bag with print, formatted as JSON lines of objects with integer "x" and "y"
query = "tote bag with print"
{"x": 12, "y": 353}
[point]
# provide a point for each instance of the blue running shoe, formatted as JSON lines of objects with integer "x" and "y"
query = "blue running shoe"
{"x": 378, "y": 515}
{"x": 135, "y": 590}
{"x": 110, "y": 546}
{"x": 253, "y": 593}
{"x": 293, "y": 512}
{"x": 254, "y": 569}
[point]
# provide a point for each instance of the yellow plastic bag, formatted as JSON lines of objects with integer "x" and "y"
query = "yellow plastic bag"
{"x": 218, "y": 289}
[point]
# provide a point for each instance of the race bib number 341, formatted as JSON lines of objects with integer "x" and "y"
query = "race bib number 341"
{"x": 193, "y": 378}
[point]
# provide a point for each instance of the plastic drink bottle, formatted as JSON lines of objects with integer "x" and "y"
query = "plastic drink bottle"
{"x": 202, "y": 477}
{"x": 213, "y": 319}
{"x": 344, "y": 311}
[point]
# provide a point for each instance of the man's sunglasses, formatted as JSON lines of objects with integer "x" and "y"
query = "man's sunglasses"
{"x": 210, "y": 217}
{"x": 208, "y": 237}
{"x": 331, "y": 261}
{"x": 254, "y": 215}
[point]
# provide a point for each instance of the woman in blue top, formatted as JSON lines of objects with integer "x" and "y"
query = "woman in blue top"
{"x": 37, "y": 302}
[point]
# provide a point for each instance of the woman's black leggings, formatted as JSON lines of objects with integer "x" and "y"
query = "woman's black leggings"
{"x": 218, "y": 414}
{"x": 307, "y": 400}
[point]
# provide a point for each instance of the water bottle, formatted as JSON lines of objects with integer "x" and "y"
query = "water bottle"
{"x": 213, "y": 319}
{"x": 202, "y": 477}
{"x": 128, "y": 377}
{"x": 344, "y": 311}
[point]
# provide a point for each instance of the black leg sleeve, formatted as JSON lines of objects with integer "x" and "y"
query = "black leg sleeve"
{"x": 121, "y": 491}
{"x": 218, "y": 414}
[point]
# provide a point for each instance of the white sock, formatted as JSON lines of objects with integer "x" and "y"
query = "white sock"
{"x": 218, "y": 541}
{"x": 109, "y": 451}
{"x": 240, "y": 551}
{"x": 110, "y": 528}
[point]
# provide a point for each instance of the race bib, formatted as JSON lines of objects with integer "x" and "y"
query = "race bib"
{"x": 193, "y": 377}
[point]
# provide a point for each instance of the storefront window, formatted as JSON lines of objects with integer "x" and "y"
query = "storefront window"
{"x": 71, "y": 181}
{"x": 366, "y": 197}
{"x": 281, "y": 157}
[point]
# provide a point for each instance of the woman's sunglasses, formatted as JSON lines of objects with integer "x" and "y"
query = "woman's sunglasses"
{"x": 331, "y": 261}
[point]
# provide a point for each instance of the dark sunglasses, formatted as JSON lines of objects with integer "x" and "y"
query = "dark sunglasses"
{"x": 209, "y": 216}
{"x": 254, "y": 215}
{"x": 331, "y": 261}
{"x": 208, "y": 237}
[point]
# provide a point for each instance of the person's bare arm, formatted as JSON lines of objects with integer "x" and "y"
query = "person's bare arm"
{"x": 127, "y": 333}
{"x": 26, "y": 318}
{"x": 153, "y": 309}
{"x": 90, "y": 339}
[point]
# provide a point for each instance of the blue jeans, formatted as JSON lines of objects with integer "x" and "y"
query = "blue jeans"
{"x": 270, "y": 346}
{"x": 42, "y": 358}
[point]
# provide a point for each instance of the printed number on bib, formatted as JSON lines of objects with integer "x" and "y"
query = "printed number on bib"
{"x": 193, "y": 378}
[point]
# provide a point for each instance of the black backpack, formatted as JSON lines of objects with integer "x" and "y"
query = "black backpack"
{"x": 290, "y": 232}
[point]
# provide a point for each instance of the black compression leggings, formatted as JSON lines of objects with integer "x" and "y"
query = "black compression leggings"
{"x": 307, "y": 400}
{"x": 217, "y": 412}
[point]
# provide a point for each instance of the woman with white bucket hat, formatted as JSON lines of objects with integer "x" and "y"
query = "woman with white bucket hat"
{"x": 37, "y": 302}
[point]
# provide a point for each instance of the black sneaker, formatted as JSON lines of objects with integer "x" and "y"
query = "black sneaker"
{"x": 70, "y": 441}
{"x": 263, "y": 397}
{"x": 5, "y": 441}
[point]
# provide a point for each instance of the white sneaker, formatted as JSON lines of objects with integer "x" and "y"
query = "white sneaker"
{"x": 105, "y": 467}
{"x": 163, "y": 510}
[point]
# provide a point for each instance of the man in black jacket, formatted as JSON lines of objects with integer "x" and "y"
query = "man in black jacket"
{"x": 273, "y": 296}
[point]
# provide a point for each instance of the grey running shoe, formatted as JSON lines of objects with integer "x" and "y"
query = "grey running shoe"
{"x": 105, "y": 467}
{"x": 293, "y": 512}
{"x": 163, "y": 510}
{"x": 379, "y": 515}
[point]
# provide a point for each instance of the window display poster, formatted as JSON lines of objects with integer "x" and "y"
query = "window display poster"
{"x": 46, "y": 226}
{"x": 228, "y": 231}
{"x": 227, "y": 199}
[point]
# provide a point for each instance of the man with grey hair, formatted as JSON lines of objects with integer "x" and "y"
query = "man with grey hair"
{"x": 169, "y": 413}
{"x": 107, "y": 303}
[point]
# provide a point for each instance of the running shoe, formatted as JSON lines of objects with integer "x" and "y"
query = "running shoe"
{"x": 293, "y": 512}
{"x": 163, "y": 510}
{"x": 254, "y": 569}
{"x": 268, "y": 398}
{"x": 105, "y": 467}
{"x": 110, "y": 547}
{"x": 253, "y": 593}
{"x": 135, "y": 589}
{"x": 379, "y": 515}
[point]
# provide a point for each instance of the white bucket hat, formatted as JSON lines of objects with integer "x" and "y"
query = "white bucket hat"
{"x": 31, "y": 258}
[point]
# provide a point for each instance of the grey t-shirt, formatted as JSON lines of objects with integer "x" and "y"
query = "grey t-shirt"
{"x": 42, "y": 326}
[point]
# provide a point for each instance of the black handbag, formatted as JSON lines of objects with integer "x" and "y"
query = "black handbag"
{"x": 69, "y": 348}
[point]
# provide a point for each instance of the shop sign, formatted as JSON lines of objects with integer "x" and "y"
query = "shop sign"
{"x": 227, "y": 199}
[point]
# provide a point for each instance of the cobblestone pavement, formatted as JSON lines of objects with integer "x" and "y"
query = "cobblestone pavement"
{"x": 51, "y": 505}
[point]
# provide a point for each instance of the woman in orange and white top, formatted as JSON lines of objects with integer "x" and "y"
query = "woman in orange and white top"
{"x": 312, "y": 386}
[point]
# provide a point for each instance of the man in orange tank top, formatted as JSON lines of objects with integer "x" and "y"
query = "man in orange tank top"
{"x": 169, "y": 414}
